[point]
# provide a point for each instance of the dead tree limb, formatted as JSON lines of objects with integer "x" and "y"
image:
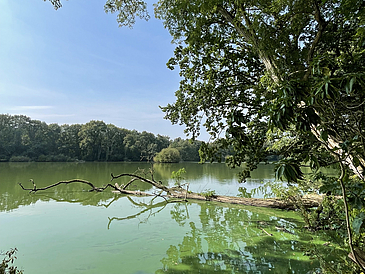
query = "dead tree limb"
{"x": 35, "y": 189}
{"x": 152, "y": 182}
{"x": 175, "y": 194}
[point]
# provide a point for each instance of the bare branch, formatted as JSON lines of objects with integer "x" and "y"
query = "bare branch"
{"x": 137, "y": 177}
{"x": 175, "y": 195}
{"x": 35, "y": 189}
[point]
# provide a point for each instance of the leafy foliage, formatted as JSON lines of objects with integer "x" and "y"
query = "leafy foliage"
{"x": 6, "y": 266}
{"x": 178, "y": 176}
{"x": 208, "y": 194}
{"x": 168, "y": 155}
{"x": 127, "y": 11}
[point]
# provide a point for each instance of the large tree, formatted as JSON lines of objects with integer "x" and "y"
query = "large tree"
{"x": 253, "y": 67}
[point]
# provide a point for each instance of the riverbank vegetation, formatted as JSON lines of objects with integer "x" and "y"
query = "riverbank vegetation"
{"x": 23, "y": 139}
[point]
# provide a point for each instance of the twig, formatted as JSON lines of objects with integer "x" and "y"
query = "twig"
{"x": 266, "y": 231}
{"x": 137, "y": 177}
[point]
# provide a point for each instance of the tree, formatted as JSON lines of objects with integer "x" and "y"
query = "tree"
{"x": 7, "y": 137}
{"x": 70, "y": 140}
{"x": 189, "y": 150}
{"x": 114, "y": 148}
{"x": 168, "y": 155}
{"x": 244, "y": 85}
{"x": 91, "y": 139}
{"x": 294, "y": 69}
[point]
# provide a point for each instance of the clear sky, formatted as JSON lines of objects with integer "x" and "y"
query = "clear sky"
{"x": 75, "y": 64}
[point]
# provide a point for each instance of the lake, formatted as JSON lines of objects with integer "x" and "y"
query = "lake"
{"x": 69, "y": 230}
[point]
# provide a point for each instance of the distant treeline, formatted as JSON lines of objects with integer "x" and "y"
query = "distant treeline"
{"x": 24, "y": 139}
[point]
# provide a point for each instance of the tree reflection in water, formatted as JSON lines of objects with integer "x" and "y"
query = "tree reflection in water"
{"x": 229, "y": 240}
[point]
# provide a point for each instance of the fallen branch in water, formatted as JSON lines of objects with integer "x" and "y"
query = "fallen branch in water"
{"x": 93, "y": 188}
{"x": 134, "y": 177}
{"x": 179, "y": 194}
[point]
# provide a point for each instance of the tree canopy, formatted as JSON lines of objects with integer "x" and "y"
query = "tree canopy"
{"x": 254, "y": 68}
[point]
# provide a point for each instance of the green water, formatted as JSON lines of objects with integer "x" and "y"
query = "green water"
{"x": 69, "y": 230}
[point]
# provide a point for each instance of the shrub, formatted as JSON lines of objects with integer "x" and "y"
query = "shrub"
{"x": 178, "y": 176}
{"x": 168, "y": 155}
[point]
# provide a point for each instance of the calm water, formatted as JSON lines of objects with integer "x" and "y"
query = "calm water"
{"x": 69, "y": 230}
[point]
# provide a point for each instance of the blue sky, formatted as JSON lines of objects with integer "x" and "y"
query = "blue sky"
{"x": 75, "y": 64}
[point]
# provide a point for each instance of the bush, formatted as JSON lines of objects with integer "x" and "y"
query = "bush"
{"x": 178, "y": 176}
{"x": 168, "y": 155}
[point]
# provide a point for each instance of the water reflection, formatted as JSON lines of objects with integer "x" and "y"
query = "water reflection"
{"x": 199, "y": 237}
{"x": 229, "y": 239}
{"x": 201, "y": 177}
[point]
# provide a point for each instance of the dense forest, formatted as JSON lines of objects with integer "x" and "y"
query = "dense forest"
{"x": 24, "y": 139}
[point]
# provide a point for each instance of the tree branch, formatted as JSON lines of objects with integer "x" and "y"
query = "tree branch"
{"x": 137, "y": 177}
{"x": 321, "y": 27}
{"x": 182, "y": 195}
{"x": 35, "y": 189}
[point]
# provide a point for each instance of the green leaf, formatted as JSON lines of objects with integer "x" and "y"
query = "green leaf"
{"x": 279, "y": 172}
{"x": 358, "y": 222}
{"x": 326, "y": 88}
{"x": 352, "y": 81}
{"x": 314, "y": 162}
{"x": 319, "y": 89}
{"x": 356, "y": 161}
